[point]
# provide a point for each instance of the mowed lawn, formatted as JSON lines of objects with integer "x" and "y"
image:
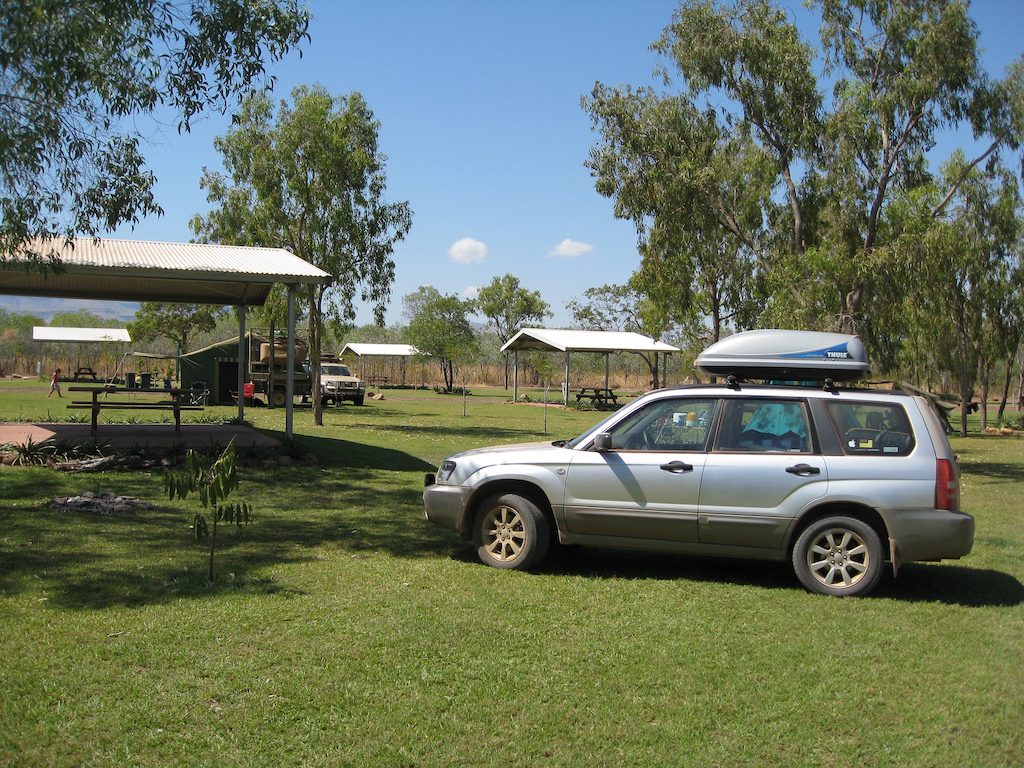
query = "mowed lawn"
{"x": 344, "y": 630}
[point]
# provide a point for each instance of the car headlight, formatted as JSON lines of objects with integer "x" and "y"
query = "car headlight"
{"x": 447, "y": 467}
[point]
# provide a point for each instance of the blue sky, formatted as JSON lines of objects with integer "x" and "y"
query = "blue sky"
{"x": 479, "y": 105}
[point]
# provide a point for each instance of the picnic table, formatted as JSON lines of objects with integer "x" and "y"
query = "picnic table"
{"x": 599, "y": 397}
{"x": 178, "y": 401}
{"x": 85, "y": 372}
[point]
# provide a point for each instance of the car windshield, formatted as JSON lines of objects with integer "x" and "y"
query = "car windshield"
{"x": 592, "y": 430}
{"x": 335, "y": 370}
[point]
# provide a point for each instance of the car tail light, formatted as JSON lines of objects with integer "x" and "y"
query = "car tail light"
{"x": 947, "y": 487}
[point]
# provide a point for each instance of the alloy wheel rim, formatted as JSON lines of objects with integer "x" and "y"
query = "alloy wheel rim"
{"x": 838, "y": 558}
{"x": 504, "y": 533}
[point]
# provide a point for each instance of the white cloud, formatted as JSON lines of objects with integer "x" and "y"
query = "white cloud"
{"x": 471, "y": 291}
{"x": 570, "y": 249}
{"x": 468, "y": 251}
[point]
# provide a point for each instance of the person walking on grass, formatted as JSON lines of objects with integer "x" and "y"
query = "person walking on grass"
{"x": 55, "y": 383}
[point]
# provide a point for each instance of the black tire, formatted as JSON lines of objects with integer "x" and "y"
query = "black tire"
{"x": 840, "y": 556}
{"x": 277, "y": 398}
{"x": 359, "y": 400}
{"x": 510, "y": 532}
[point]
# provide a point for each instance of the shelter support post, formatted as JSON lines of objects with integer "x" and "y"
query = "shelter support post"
{"x": 515, "y": 379}
{"x": 241, "y": 361}
{"x": 607, "y": 355}
{"x": 565, "y": 389}
{"x": 289, "y": 386}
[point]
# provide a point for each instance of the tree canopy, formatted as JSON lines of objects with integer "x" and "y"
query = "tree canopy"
{"x": 178, "y": 323}
{"x": 75, "y": 77}
{"x": 509, "y": 307}
{"x": 751, "y": 189}
{"x": 439, "y": 327}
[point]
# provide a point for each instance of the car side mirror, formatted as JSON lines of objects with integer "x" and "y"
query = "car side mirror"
{"x": 603, "y": 442}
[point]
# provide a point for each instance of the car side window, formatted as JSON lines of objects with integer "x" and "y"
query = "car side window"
{"x": 682, "y": 424}
{"x": 873, "y": 429}
{"x": 764, "y": 425}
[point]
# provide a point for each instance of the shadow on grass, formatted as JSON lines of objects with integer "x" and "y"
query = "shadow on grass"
{"x": 995, "y": 470}
{"x": 335, "y": 453}
{"x": 150, "y": 558}
{"x": 917, "y": 582}
{"x": 89, "y": 561}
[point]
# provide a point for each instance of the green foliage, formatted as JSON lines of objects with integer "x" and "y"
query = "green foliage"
{"x": 212, "y": 484}
{"x": 509, "y": 307}
{"x": 77, "y": 77}
{"x": 439, "y": 327}
{"x": 31, "y": 452}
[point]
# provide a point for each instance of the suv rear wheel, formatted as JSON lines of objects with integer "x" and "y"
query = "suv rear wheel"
{"x": 510, "y": 532}
{"x": 838, "y": 556}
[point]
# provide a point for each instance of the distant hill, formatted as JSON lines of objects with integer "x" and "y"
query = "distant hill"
{"x": 47, "y": 308}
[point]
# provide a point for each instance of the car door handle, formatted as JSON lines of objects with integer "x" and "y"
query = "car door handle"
{"x": 677, "y": 467}
{"x": 803, "y": 470}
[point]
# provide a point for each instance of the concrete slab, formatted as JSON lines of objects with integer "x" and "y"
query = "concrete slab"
{"x": 141, "y": 435}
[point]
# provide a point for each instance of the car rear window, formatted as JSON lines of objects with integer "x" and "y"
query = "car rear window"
{"x": 873, "y": 429}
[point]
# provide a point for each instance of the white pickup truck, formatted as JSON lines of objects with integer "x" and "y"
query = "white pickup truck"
{"x": 338, "y": 383}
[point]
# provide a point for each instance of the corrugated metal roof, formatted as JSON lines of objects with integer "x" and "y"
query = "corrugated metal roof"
{"x": 149, "y": 271}
{"x": 585, "y": 341}
{"x": 382, "y": 350}
{"x": 57, "y": 333}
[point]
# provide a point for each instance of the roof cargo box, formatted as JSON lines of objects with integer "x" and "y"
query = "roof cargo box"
{"x": 788, "y": 355}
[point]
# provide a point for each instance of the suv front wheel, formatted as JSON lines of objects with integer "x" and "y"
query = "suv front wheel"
{"x": 838, "y": 556}
{"x": 510, "y": 532}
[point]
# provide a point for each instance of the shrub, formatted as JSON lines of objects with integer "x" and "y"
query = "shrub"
{"x": 213, "y": 483}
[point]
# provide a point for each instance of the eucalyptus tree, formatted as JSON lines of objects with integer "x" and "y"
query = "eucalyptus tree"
{"x": 509, "y": 307}
{"x": 311, "y": 179}
{"x": 178, "y": 323}
{"x": 905, "y": 71}
{"x": 77, "y": 80}
{"x": 902, "y": 71}
{"x": 439, "y": 327}
{"x": 963, "y": 266}
{"x": 623, "y": 308}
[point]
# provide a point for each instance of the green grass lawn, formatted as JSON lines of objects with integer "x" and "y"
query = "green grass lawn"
{"x": 343, "y": 630}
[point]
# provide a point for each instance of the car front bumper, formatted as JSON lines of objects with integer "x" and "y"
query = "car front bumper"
{"x": 446, "y": 505}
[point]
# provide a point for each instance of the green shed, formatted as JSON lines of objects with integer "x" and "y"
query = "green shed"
{"x": 213, "y": 368}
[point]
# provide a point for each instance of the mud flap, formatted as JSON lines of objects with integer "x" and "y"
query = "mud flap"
{"x": 895, "y": 558}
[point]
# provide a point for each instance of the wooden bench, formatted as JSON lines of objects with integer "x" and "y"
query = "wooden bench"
{"x": 176, "y": 404}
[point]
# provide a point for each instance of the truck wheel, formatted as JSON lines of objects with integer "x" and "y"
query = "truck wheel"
{"x": 360, "y": 400}
{"x": 510, "y": 532}
{"x": 277, "y": 398}
{"x": 838, "y": 556}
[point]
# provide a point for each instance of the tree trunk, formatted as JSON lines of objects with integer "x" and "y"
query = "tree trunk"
{"x": 1006, "y": 390}
{"x": 271, "y": 369}
{"x": 983, "y": 386}
{"x": 851, "y": 308}
{"x": 965, "y": 394}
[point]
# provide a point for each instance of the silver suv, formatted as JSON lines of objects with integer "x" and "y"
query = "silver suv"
{"x": 836, "y": 481}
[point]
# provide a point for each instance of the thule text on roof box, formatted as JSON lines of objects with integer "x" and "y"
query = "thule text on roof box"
{"x": 789, "y": 355}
